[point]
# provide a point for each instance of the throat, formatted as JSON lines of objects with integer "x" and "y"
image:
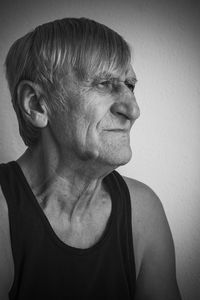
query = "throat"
{"x": 82, "y": 230}
{"x": 77, "y": 210}
{"x": 71, "y": 199}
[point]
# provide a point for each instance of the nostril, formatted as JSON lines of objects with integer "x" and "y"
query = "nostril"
{"x": 118, "y": 109}
{"x": 122, "y": 115}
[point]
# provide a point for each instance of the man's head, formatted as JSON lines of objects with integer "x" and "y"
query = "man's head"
{"x": 53, "y": 52}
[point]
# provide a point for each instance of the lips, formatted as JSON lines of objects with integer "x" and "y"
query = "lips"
{"x": 117, "y": 127}
{"x": 117, "y": 130}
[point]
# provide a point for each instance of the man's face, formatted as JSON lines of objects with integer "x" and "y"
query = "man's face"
{"x": 96, "y": 123}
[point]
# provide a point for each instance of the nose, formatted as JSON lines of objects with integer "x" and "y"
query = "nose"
{"x": 127, "y": 106}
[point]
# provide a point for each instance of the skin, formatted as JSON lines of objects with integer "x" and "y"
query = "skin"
{"x": 79, "y": 146}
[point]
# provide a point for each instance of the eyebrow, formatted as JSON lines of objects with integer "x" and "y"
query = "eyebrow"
{"x": 108, "y": 76}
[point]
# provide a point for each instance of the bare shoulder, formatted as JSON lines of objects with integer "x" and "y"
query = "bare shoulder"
{"x": 3, "y": 204}
{"x": 142, "y": 194}
{"x": 4, "y": 221}
{"x": 147, "y": 216}
{"x": 6, "y": 260}
{"x": 153, "y": 244}
{"x": 147, "y": 208}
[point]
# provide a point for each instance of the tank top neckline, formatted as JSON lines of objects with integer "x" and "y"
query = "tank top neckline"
{"x": 73, "y": 250}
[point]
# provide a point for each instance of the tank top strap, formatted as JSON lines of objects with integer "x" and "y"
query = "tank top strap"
{"x": 8, "y": 180}
{"x": 125, "y": 229}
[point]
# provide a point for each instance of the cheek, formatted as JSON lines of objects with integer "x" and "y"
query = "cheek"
{"x": 94, "y": 119}
{"x": 97, "y": 107}
{"x": 90, "y": 132}
{"x": 63, "y": 127}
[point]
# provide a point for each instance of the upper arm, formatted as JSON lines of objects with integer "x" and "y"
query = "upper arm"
{"x": 6, "y": 261}
{"x": 155, "y": 254}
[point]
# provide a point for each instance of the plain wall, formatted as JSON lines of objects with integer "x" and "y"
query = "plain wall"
{"x": 165, "y": 140}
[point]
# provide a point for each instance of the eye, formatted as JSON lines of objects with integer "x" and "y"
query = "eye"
{"x": 130, "y": 86}
{"x": 105, "y": 84}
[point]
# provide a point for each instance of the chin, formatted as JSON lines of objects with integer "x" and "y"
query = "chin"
{"x": 117, "y": 158}
{"x": 108, "y": 153}
{"x": 123, "y": 160}
{"x": 115, "y": 149}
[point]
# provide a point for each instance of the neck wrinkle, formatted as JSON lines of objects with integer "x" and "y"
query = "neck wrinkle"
{"x": 72, "y": 191}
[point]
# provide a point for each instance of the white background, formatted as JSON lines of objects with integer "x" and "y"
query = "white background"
{"x": 165, "y": 140}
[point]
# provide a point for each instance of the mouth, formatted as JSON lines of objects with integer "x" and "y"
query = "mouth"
{"x": 120, "y": 130}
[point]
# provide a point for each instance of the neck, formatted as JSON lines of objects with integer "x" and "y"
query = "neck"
{"x": 71, "y": 185}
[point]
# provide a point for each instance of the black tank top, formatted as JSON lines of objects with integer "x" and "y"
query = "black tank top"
{"x": 47, "y": 268}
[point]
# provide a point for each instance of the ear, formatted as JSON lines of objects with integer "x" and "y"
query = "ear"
{"x": 31, "y": 102}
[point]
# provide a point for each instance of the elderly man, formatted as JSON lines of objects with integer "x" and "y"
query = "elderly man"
{"x": 71, "y": 227}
